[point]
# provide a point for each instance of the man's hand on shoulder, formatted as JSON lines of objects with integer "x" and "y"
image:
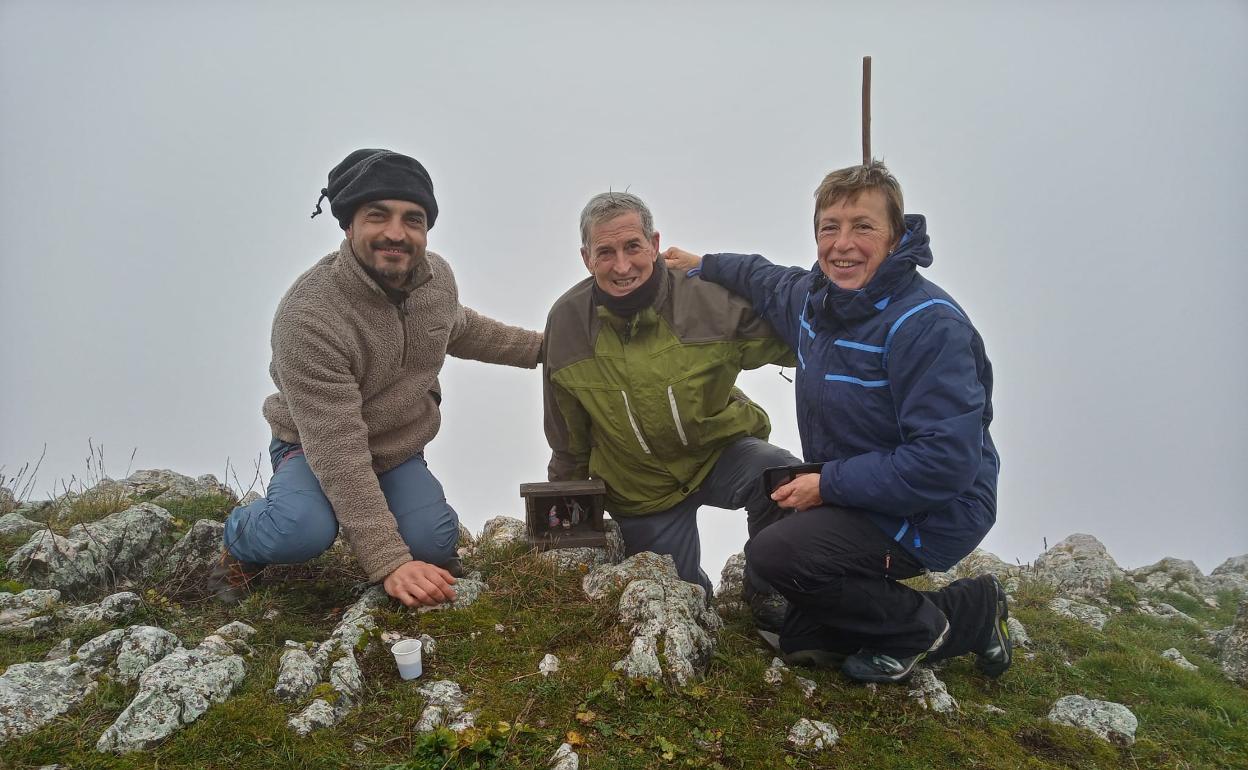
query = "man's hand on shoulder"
{"x": 420, "y": 583}
{"x": 679, "y": 259}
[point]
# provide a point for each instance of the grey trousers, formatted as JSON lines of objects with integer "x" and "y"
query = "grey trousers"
{"x": 735, "y": 482}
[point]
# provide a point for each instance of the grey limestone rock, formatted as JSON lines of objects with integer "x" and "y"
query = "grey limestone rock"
{"x": 31, "y": 610}
{"x": 981, "y": 562}
{"x": 113, "y": 607}
{"x": 1112, "y": 722}
{"x": 930, "y": 692}
{"x": 61, "y": 650}
{"x": 1163, "y": 610}
{"x": 141, "y": 647}
{"x": 812, "y": 734}
{"x": 503, "y": 532}
{"x": 1231, "y": 575}
{"x": 548, "y": 665}
{"x": 173, "y": 692}
{"x": 1176, "y": 657}
{"x": 574, "y": 559}
{"x": 467, "y": 590}
{"x": 427, "y": 645}
{"x": 728, "y": 594}
{"x": 297, "y": 674}
{"x": 34, "y": 694}
{"x": 673, "y": 630}
{"x": 249, "y": 498}
{"x": 646, "y": 565}
{"x": 1233, "y": 657}
{"x": 173, "y": 486}
{"x": 335, "y": 655}
{"x": 1078, "y": 566}
{"x": 1176, "y": 576}
{"x": 445, "y": 706}
{"x": 317, "y": 715}
{"x": 16, "y": 524}
{"x": 565, "y": 758}
{"x": 7, "y": 501}
{"x": 774, "y": 674}
{"x": 1018, "y": 633}
{"x": 1084, "y": 613}
{"x": 95, "y": 555}
{"x": 198, "y": 549}
{"x": 807, "y": 686}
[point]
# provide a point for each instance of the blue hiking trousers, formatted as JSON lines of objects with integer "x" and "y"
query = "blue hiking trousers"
{"x": 295, "y": 522}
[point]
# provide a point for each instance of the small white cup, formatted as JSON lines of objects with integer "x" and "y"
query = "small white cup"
{"x": 407, "y": 655}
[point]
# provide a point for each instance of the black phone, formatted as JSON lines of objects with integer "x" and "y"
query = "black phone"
{"x": 774, "y": 477}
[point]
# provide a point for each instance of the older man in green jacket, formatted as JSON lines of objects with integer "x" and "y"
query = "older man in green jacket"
{"x": 640, "y": 372}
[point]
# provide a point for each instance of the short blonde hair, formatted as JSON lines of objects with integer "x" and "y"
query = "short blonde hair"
{"x": 846, "y": 184}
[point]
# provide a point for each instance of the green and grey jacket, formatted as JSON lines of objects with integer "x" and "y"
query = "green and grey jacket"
{"x": 648, "y": 404}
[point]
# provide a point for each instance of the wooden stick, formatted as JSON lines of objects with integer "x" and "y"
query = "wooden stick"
{"x": 866, "y": 110}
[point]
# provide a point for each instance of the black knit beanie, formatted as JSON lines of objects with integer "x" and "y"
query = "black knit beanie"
{"x": 374, "y": 175}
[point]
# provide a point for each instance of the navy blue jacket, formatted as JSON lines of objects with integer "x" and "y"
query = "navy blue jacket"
{"x": 894, "y": 394}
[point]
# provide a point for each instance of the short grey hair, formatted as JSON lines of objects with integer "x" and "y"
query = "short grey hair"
{"x": 606, "y": 206}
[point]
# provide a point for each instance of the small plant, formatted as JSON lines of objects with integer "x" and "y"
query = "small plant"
{"x": 472, "y": 749}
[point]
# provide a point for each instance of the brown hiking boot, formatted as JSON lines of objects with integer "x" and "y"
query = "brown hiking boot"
{"x": 231, "y": 580}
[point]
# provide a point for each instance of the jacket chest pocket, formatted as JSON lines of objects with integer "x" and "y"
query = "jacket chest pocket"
{"x": 854, "y": 400}
{"x": 424, "y": 344}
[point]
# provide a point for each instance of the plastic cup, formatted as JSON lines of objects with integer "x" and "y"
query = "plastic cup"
{"x": 407, "y": 655}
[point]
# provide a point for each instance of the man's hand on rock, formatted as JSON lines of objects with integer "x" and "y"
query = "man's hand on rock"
{"x": 420, "y": 583}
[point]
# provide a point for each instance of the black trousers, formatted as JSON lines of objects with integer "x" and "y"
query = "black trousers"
{"x": 839, "y": 572}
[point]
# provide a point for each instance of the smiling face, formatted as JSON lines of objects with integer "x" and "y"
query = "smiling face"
{"x": 853, "y": 238}
{"x": 619, "y": 255}
{"x": 389, "y": 236}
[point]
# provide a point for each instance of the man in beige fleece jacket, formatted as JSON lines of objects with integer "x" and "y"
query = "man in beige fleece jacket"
{"x": 358, "y": 343}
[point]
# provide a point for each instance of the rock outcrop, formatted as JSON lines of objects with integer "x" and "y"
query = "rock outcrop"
{"x": 335, "y": 655}
{"x": 1078, "y": 566}
{"x": 812, "y": 734}
{"x": 92, "y": 557}
{"x": 1176, "y": 657}
{"x": 1233, "y": 657}
{"x": 673, "y": 630}
{"x": 1112, "y": 722}
{"x": 1085, "y": 613}
{"x": 17, "y": 525}
{"x": 930, "y": 693}
{"x": 198, "y": 549}
{"x": 178, "y": 689}
{"x": 445, "y": 706}
{"x": 34, "y": 694}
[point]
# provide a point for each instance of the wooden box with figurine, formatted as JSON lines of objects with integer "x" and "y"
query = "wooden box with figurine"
{"x": 565, "y": 514}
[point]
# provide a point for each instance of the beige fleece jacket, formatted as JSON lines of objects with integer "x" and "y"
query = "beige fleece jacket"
{"x": 357, "y": 383}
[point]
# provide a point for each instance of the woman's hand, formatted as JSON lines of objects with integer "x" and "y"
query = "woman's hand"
{"x": 679, "y": 259}
{"x": 800, "y": 493}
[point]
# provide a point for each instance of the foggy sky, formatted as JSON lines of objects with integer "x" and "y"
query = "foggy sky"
{"x": 1082, "y": 168}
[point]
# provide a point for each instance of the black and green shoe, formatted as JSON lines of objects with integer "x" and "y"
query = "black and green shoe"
{"x": 995, "y": 658}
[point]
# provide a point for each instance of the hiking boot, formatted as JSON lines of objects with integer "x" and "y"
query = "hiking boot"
{"x": 231, "y": 580}
{"x": 872, "y": 666}
{"x": 767, "y": 606}
{"x": 454, "y": 566}
{"x": 812, "y": 658}
{"x": 996, "y": 656}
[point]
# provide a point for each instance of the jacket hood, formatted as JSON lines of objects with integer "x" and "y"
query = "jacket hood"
{"x": 894, "y": 274}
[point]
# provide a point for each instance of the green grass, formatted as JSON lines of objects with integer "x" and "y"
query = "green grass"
{"x": 731, "y": 719}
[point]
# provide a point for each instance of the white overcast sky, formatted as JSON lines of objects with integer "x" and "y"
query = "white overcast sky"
{"x": 1083, "y": 167}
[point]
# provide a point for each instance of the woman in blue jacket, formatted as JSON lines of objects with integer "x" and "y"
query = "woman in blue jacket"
{"x": 894, "y": 399}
